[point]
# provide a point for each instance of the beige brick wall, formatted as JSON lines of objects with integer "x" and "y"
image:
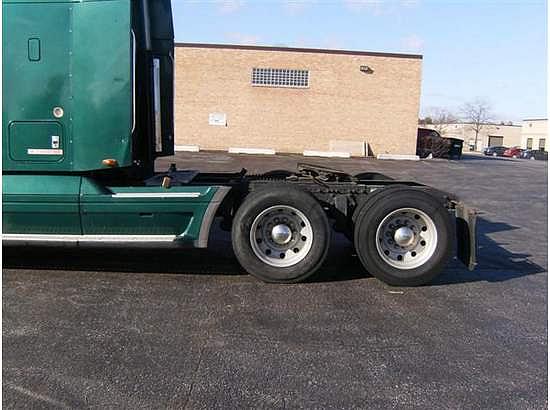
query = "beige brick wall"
{"x": 341, "y": 103}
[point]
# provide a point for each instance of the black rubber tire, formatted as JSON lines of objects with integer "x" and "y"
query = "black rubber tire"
{"x": 278, "y": 174}
{"x": 374, "y": 195}
{"x": 275, "y": 195}
{"x": 366, "y": 176}
{"x": 349, "y": 233}
{"x": 371, "y": 214}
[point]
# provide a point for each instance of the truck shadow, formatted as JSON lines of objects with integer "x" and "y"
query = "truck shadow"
{"x": 128, "y": 260}
{"x": 496, "y": 263}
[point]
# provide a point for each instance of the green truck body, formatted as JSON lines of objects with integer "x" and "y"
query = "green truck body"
{"x": 76, "y": 56}
{"x": 79, "y": 209}
{"x": 88, "y": 94}
{"x": 69, "y": 90}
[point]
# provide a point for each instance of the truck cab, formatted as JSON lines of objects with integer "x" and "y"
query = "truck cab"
{"x": 88, "y": 106}
{"x": 88, "y": 85}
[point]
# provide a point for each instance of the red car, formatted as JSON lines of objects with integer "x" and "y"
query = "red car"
{"x": 514, "y": 152}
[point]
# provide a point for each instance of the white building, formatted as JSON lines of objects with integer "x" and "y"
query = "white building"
{"x": 489, "y": 135}
{"x": 534, "y": 133}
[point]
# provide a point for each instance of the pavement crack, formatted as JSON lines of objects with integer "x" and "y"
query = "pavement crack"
{"x": 193, "y": 380}
{"x": 37, "y": 396}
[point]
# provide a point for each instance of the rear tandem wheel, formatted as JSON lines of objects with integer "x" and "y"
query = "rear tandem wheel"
{"x": 403, "y": 236}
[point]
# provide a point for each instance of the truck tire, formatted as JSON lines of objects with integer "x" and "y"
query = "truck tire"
{"x": 280, "y": 234}
{"x": 278, "y": 174}
{"x": 372, "y": 197}
{"x": 369, "y": 176}
{"x": 403, "y": 236}
{"x": 349, "y": 232}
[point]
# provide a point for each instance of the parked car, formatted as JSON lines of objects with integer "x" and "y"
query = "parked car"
{"x": 514, "y": 152}
{"x": 496, "y": 151}
{"x": 535, "y": 154}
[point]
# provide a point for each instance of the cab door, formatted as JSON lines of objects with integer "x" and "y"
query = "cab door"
{"x": 36, "y": 108}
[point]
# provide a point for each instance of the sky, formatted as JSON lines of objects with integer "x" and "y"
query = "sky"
{"x": 485, "y": 49}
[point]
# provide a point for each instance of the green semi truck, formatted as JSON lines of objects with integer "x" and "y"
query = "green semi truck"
{"x": 88, "y": 94}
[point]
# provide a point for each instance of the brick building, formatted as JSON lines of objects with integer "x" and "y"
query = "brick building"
{"x": 291, "y": 100}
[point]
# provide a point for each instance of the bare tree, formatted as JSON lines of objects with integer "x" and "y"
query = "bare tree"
{"x": 441, "y": 118}
{"x": 477, "y": 114}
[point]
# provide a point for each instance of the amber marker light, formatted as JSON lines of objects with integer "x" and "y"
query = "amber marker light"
{"x": 109, "y": 162}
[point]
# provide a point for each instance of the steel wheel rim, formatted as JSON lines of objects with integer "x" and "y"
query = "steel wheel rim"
{"x": 269, "y": 240}
{"x": 395, "y": 249}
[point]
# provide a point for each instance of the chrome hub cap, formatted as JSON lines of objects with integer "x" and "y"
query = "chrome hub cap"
{"x": 403, "y": 236}
{"x": 281, "y": 236}
{"x": 406, "y": 238}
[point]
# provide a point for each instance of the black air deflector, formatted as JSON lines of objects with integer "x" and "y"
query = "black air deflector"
{"x": 154, "y": 32}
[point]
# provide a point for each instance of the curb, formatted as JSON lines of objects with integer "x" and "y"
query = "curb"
{"x": 326, "y": 154}
{"x": 262, "y": 151}
{"x": 187, "y": 148}
{"x": 402, "y": 157}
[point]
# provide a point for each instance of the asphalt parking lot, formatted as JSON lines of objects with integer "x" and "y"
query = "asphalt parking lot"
{"x": 126, "y": 328}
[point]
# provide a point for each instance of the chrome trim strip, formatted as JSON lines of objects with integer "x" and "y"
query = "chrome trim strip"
{"x": 157, "y": 104}
{"x": 88, "y": 238}
{"x": 133, "y": 81}
{"x": 156, "y": 195}
{"x": 209, "y": 216}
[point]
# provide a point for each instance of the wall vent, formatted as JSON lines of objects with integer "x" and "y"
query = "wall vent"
{"x": 280, "y": 77}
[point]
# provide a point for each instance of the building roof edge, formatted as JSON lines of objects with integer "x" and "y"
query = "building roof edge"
{"x": 299, "y": 50}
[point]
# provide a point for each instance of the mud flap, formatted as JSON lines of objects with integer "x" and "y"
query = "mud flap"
{"x": 466, "y": 235}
